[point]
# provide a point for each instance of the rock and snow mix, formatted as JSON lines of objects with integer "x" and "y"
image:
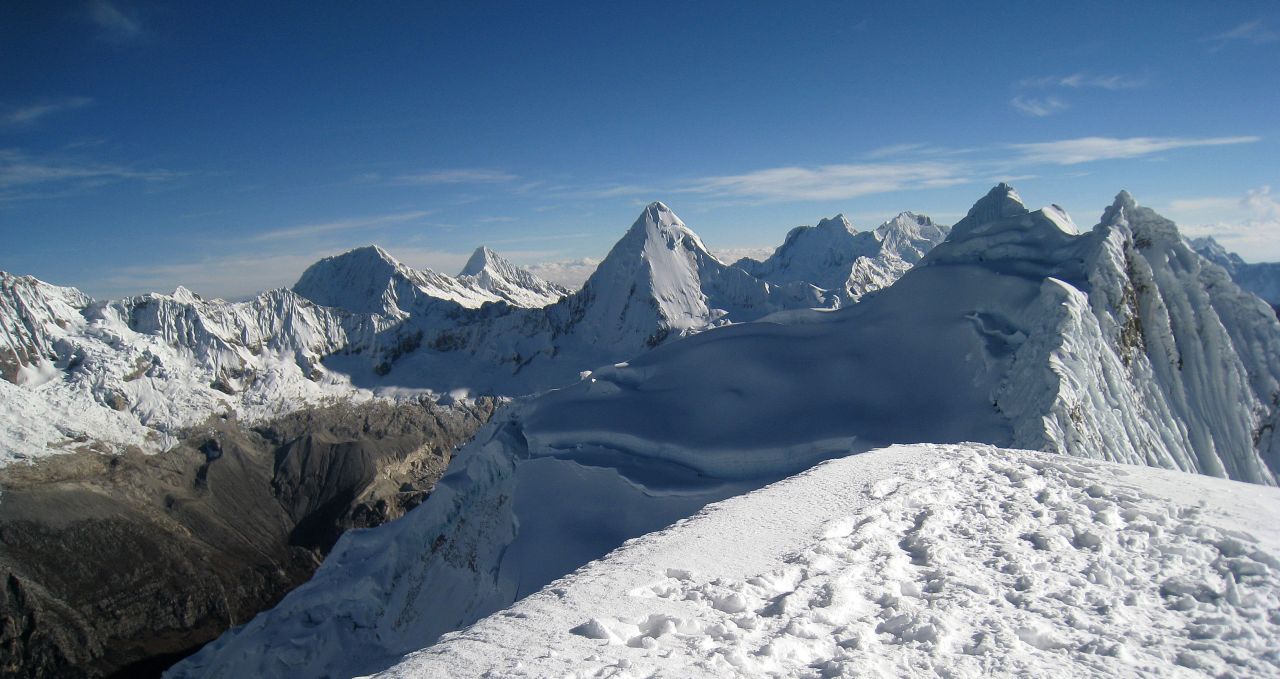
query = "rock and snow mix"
{"x": 961, "y": 561}
{"x": 1119, "y": 343}
{"x": 137, "y": 372}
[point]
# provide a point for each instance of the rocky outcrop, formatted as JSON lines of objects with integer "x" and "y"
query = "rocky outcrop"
{"x": 122, "y": 564}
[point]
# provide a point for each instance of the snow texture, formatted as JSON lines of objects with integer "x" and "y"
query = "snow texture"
{"x": 844, "y": 262}
{"x": 1119, "y": 344}
{"x": 138, "y": 372}
{"x": 960, "y": 561}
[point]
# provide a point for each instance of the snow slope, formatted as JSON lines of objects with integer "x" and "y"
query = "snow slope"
{"x": 1118, "y": 344}
{"x": 141, "y": 370}
{"x": 960, "y": 561}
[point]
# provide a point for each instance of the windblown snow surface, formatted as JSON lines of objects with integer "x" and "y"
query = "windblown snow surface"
{"x": 1119, "y": 344}
{"x": 957, "y": 561}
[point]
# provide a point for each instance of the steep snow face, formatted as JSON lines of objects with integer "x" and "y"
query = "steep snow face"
{"x": 1262, "y": 279}
{"x": 1119, "y": 343}
{"x": 916, "y": 561}
{"x": 660, "y": 280}
{"x": 136, "y": 372}
{"x": 516, "y": 286}
{"x": 846, "y": 263}
{"x": 33, "y": 317}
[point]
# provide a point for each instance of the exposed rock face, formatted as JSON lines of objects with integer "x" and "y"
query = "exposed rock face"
{"x": 123, "y": 564}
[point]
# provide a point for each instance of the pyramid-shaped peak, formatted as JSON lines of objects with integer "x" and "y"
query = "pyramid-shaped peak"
{"x": 656, "y": 214}
{"x": 480, "y": 260}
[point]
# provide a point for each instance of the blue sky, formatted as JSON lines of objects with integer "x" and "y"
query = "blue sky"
{"x": 147, "y": 144}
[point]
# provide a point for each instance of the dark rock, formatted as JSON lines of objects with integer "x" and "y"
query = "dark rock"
{"x": 122, "y": 565}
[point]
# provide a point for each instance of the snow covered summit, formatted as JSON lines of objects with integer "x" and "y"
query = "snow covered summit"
{"x": 846, "y": 263}
{"x": 513, "y": 284}
{"x": 369, "y": 280}
{"x": 916, "y": 561}
{"x": 1119, "y": 343}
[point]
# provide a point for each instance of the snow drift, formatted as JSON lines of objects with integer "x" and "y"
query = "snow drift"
{"x": 916, "y": 561}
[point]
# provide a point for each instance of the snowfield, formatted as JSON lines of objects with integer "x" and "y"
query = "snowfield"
{"x": 949, "y": 560}
{"x": 1118, "y": 344}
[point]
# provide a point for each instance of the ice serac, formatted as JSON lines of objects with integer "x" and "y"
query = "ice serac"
{"x": 1119, "y": 343}
{"x": 516, "y": 286}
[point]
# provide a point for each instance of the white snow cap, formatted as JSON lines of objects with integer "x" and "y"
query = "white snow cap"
{"x": 837, "y": 223}
{"x": 483, "y": 258}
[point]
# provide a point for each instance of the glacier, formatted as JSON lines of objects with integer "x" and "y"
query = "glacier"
{"x": 1119, "y": 344}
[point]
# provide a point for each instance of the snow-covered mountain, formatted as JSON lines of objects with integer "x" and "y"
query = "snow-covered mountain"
{"x": 136, "y": 372}
{"x": 1262, "y": 278}
{"x": 844, "y": 262}
{"x": 516, "y": 286}
{"x": 1119, "y": 343}
{"x": 916, "y": 561}
{"x": 369, "y": 280}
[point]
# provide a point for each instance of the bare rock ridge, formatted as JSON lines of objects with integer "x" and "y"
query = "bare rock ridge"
{"x": 119, "y": 565}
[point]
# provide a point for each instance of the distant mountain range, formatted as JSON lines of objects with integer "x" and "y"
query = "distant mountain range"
{"x": 1018, "y": 330}
{"x": 140, "y": 371}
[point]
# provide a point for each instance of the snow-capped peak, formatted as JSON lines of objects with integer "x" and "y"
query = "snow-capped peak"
{"x": 1000, "y": 202}
{"x": 652, "y": 278}
{"x": 519, "y": 287}
{"x": 483, "y": 258}
{"x": 838, "y": 224}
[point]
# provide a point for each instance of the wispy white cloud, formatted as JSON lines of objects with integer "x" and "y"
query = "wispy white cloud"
{"x": 1038, "y": 106}
{"x": 829, "y": 182}
{"x": 1042, "y": 106}
{"x": 456, "y": 176}
{"x": 23, "y": 176}
{"x": 1250, "y": 32}
{"x": 341, "y": 225}
{"x": 1115, "y": 81}
{"x": 114, "y": 23}
{"x": 31, "y": 114}
{"x": 1089, "y": 149}
{"x": 924, "y": 167}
